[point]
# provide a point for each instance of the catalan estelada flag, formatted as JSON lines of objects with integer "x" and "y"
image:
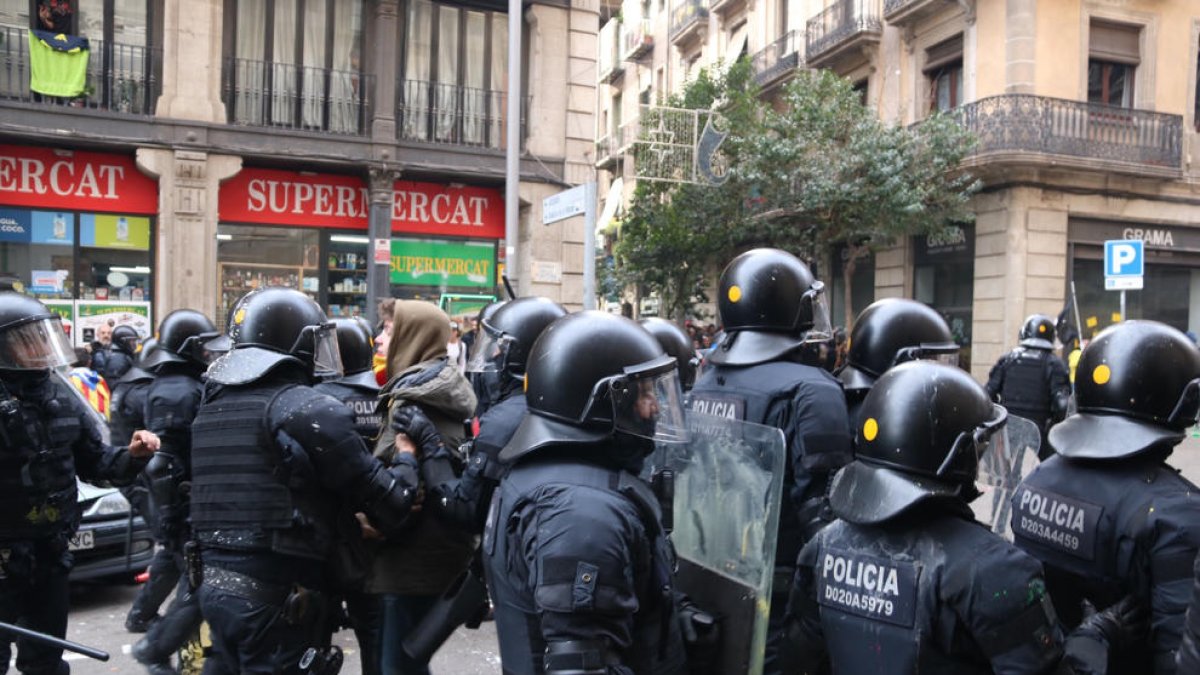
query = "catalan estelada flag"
{"x": 93, "y": 387}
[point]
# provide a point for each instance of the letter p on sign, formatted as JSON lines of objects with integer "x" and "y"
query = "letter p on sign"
{"x": 1123, "y": 258}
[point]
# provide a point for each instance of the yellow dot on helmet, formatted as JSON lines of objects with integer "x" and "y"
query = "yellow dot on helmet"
{"x": 1042, "y": 328}
{"x": 239, "y": 316}
{"x": 735, "y": 293}
{"x": 1102, "y": 374}
{"x": 870, "y": 429}
{"x": 525, "y": 384}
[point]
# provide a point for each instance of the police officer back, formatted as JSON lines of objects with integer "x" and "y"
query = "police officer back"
{"x": 1107, "y": 516}
{"x": 907, "y": 581}
{"x": 576, "y": 558}
{"x": 887, "y": 333}
{"x": 771, "y": 307}
{"x": 677, "y": 345}
{"x": 46, "y": 439}
{"x": 272, "y": 461}
{"x": 123, "y": 353}
{"x": 1031, "y": 381}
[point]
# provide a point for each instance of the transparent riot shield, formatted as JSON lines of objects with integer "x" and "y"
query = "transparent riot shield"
{"x": 1002, "y": 468}
{"x": 728, "y": 481}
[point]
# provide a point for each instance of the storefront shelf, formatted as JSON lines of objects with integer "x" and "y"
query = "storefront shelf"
{"x": 347, "y": 293}
{"x": 356, "y": 270}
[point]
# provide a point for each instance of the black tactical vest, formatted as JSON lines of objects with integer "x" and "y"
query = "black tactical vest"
{"x": 128, "y": 404}
{"x": 37, "y": 464}
{"x": 247, "y": 493}
{"x": 657, "y": 647}
{"x": 363, "y": 402}
{"x": 1026, "y": 391}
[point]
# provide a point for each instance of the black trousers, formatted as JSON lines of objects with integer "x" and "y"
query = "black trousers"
{"x": 165, "y": 571}
{"x": 249, "y": 637}
{"x": 34, "y": 592}
{"x": 181, "y": 620}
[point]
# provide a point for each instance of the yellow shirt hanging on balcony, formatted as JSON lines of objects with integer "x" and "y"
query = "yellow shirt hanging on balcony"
{"x": 57, "y": 63}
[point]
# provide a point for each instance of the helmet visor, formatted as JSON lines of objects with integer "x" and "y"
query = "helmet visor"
{"x": 207, "y": 347}
{"x": 649, "y": 405}
{"x": 946, "y": 354}
{"x": 488, "y": 352}
{"x": 327, "y": 360}
{"x": 818, "y": 304}
{"x": 1003, "y": 458}
{"x": 36, "y": 345}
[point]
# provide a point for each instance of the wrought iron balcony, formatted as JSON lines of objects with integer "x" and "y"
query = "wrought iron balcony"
{"x": 120, "y": 78}
{"x": 608, "y": 151}
{"x": 639, "y": 39}
{"x": 841, "y": 28}
{"x": 449, "y": 114}
{"x": 903, "y": 12}
{"x": 303, "y": 98}
{"x": 689, "y": 18}
{"x": 777, "y": 60}
{"x": 610, "y": 66}
{"x": 1022, "y": 128}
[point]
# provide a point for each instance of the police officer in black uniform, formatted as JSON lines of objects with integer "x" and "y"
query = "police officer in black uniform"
{"x": 677, "y": 344}
{"x": 273, "y": 462}
{"x": 46, "y": 439}
{"x": 187, "y": 342}
{"x": 578, "y": 563}
{"x": 1108, "y": 516}
{"x": 907, "y": 581}
{"x": 485, "y": 383}
{"x": 123, "y": 353}
{"x": 1031, "y": 381}
{"x": 887, "y": 333}
{"x": 772, "y": 307}
{"x": 358, "y": 389}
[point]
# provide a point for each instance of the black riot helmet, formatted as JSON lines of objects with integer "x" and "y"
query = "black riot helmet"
{"x": 592, "y": 375}
{"x": 1137, "y": 386}
{"x": 676, "y": 344}
{"x": 1037, "y": 332}
{"x": 125, "y": 339}
{"x": 274, "y": 325}
{"x": 924, "y": 427}
{"x": 31, "y": 336}
{"x": 356, "y": 347}
{"x": 894, "y": 331}
{"x": 185, "y": 336}
{"x": 145, "y": 351}
{"x": 508, "y": 333}
{"x": 770, "y": 304}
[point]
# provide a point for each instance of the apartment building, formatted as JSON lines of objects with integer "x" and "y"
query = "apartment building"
{"x": 1085, "y": 111}
{"x": 213, "y": 146}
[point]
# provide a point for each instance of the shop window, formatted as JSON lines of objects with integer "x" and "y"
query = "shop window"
{"x": 944, "y": 72}
{"x": 944, "y": 278}
{"x": 297, "y": 64}
{"x": 1113, "y": 57}
{"x": 251, "y": 257}
{"x": 455, "y": 65}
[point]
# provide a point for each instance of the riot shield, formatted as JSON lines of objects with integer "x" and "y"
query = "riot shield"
{"x": 1002, "y": 468}
{"x": 728, "y": 482}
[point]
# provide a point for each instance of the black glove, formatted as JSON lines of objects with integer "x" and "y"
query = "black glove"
{"x": 1123, "y": 625}
{"x": 701, "y": 635}
{"x": 411, "y": 421}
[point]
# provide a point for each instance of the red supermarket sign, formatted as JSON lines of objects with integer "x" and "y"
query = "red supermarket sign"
{"x": 74, "y": 180}
{"x": 272, "y": 197}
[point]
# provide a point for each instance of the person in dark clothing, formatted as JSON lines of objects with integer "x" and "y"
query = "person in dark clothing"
{"x": 887, "y": 333}
{"x": 359, "y": 391}
{"x": 101, "y": 346}
{"x": 273, "y": 463}
{"x": 1108, "y": 516}
{"x": 486, "y": 384}
{"x": 1031, "y": 381}
{"x": 122, "y": 353}
{"x": 187, "y": 343}
{"x": 576, "y": 558}
{"x": 676, "y": 343}
{"x": 47, "y": 438}
{"x": 771, "y": 307}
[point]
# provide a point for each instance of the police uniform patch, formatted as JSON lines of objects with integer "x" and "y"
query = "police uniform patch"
{"x": 1055, "y": 521}
{"x": 873, "y": 588}
{"x": 718, "y": 405}
{"x": 365, "y": 411}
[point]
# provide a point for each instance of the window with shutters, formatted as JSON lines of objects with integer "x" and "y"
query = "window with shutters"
{"x": 944, "y": 74}
{"x": 1114, "y": 52}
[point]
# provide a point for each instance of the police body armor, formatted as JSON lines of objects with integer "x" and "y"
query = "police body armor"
{"x": 362, "y": 400}
{"x": 170, "y": 398}
{"x": 37, "y": 462}
{"x": 1087, "y": 522}
{"x": 128, "y": 404}
{"x": 1026, "y": 391}
{"x": 248, "y": 493}
{"x": 656, "y": 645}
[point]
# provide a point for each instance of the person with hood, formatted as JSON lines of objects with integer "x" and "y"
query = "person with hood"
{"x": 427, "y": 404}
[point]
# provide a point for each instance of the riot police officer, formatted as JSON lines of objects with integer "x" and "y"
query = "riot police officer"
{"x": 887, "y": 333}
{"x": 272, "y": 460}
{"x": 1031, "y": 381}
{"x": 1108, "y": 516}
{"x": 486, "y": 383}
{"x": 46, "y": 438}
{"x": 772, "y": 307}
{"x": 907, "y": 581}
{"x": 123, "y": 353}
{"x": 187, "y": 341}
{"x": 576, "y": 557}
{"x": 677, "y": 344}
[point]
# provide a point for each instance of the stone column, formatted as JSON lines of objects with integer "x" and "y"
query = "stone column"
{"x": 1020, "y": 46}
{"x": 382, "y": 185}
{"x": 384, "y": 61}
{"x": 191, "y": 82}
{"x": 185, "y": 262}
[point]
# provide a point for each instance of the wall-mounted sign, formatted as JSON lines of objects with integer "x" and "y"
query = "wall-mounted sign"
{"x": 75, "y": 180}
{"x": 109, "y": 231}
{"x": 90, "y": 315}
{"x": 449, "y": 264}
{"x": 53, "y": 227}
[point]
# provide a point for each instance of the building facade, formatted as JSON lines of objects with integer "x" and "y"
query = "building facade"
{"x": 207, "y": 147}
{"x": 1086, "y": 115}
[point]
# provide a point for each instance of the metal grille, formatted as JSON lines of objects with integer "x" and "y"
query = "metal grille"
{"x": 839, "y": 22}
{"x": 777, "y": 59}
{"x": 433, "y": 112}
{"x": 289, "y": 96}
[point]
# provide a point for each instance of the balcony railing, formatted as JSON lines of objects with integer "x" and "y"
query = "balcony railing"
{"x": 433, "y": 112}
{"x": 639, "y": 39}
{"x": 686, "y": 19}
{"x": 1027, "y": 124}
{"x": 608, "y": 150}
{"x": 777, "y": 59}
{"x": 839, "y": 23}
{"x": 610, "y": 64}
{"x": 120, "y": 78}
{"x": 304, "y": 98}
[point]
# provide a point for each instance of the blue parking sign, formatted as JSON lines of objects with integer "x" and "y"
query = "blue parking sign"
{"x": 1124, "y": 258}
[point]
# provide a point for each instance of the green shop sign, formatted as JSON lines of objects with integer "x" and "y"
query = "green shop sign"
{"x": 428, "y": 262}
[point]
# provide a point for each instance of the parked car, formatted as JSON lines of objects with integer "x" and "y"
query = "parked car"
{"x": 110, "y": 544}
